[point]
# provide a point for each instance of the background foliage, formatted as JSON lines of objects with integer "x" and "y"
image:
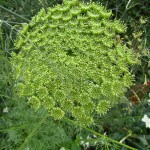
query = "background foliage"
{"x": 22, "y": 127}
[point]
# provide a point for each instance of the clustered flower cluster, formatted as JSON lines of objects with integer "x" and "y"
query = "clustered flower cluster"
{"x": 70, "y": 61}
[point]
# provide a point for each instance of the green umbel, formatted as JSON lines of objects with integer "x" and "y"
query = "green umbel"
{"x": 70, "y": 62}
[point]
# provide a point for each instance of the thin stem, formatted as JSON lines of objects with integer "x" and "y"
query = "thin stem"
{"x": 135, "y": 94}
{"x": 125, "y": 137}
{"x": 21, "y": 35}
{"x": 14, "y": 13}
{"x": 101, "y": 135}
{"x": 128, "y": 4}
{"x": 32, "y": 133}
{"x": 1, "y": 95}
{"x": 13, "y": 128}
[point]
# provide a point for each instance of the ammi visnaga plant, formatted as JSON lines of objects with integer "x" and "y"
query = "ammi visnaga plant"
{"x": 70, "y": 62}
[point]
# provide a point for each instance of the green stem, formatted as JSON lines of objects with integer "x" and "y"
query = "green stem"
{"x": 12, "y": 27}
{"x": 13, "y": 128}
{"x": 13, "y": 13}
{"x": 5, "y": 96}
{"x": 128, "y": 4}
{"x": 125, "y": 137}
{"x": 32, "y": 133}
{"x": 101, "y": 135}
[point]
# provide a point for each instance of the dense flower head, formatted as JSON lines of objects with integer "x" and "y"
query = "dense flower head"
{"x": 70, "y": 61}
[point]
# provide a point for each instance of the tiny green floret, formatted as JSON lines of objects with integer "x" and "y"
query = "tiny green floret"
{"x": 70, "y": 62}
{"x": 103, "y": 106}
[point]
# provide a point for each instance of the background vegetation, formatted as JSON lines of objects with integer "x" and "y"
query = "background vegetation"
{"x": 23, "y": 128}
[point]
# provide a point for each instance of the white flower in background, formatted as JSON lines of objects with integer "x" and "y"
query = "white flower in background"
{"x": 95, "y": 142}
{"x": 62, "y": 148}
{"x": 88, "y": 137}
{"x": 146, "y": 120}
{"x": 94, "y": 136}
{"x": 148, "y": 101}
{"x": 82, "y": 142}
{"x": 87, "y": 144}
{"x": 5, "y": 110}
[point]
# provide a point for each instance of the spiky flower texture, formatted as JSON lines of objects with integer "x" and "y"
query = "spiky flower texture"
{"x": 70, "y": 61}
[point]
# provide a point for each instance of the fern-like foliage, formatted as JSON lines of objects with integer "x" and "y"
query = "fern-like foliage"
{"x": 70, "y": 62}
